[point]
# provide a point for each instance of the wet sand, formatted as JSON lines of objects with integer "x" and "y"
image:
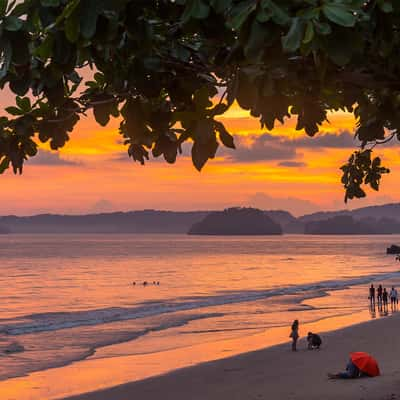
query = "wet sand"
{"x": 278, "y": 373}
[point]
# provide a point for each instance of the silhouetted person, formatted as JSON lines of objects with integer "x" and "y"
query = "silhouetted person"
{"x": 372, "y": 295}
{"x": 379, "y": 296}
{"x": 294, "y": 334}
{"x": 314, "y": 341}
{"x": 393, "y": 297}
{"x": 133, "y": 283}
{"x": 385, "y": 299}
{"x": 145, "y": 283}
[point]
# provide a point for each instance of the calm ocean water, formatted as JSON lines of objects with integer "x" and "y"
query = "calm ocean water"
{"x": 63, "y": 297}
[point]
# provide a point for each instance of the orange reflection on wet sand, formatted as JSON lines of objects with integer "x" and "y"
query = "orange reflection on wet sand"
{"x": 99, "y": 372}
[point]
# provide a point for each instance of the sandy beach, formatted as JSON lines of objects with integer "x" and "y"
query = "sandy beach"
{"x": 278, "y": 373}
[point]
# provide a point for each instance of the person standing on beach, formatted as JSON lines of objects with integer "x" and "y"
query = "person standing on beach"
{"x": 372, "y": 295}
{"x": 385, "y": 300}
{"x": 379, "y": 297}
{"x": 294, "y": 334}
{"x": 393, "y": 298}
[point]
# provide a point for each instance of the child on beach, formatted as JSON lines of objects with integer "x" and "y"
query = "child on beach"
{"x": 294, "y": 334}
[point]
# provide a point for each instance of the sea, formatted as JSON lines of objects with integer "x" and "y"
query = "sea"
{"x": 70, "y": 302}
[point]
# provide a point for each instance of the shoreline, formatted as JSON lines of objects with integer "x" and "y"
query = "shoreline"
{"x": 93, "y": 375}
{"x": 276, "y": 372}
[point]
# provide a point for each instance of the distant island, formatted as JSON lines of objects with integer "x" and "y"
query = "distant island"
{"x": 236, "y": 221}
{"x": 348, "y": 225}
{"x": 383, "y": 219}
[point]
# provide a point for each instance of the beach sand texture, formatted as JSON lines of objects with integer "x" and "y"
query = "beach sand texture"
{"x": 278, "y": 373}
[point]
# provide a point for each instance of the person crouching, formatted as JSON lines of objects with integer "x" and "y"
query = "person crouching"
{"x": 314, "y": 341}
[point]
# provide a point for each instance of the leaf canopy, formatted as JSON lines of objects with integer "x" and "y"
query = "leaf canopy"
{"x": 169, "y": 68}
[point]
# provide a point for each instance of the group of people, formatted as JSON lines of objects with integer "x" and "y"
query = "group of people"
{"x": 352, "y": 371}
{"x": 382, "y": 297}
{"x": 145, "y": 283}
{"x": 313, "y": 340}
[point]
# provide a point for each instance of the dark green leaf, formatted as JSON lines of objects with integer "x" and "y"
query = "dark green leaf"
{"x": 386, "y": 6}
{"x": 309, "y": 35}
{"x": 23, "y": 103}
{"x": 72, "y": 26}
{"x": 88, "y": 17}
{"x": 339, "y": 14}
{"x": 6, "y": 55}
{"x": 3, "y": 7}
{"x": 220, "y": 6}
{"x": 240, "y": 13}
{"x": 278, "y": 14}
{"x": 291, "y": 42}
{"x": 197, "y": 9}
{"x": 14, "y": 110}
{"x": 12, "y": 23}
{"x": 4, "y": 164}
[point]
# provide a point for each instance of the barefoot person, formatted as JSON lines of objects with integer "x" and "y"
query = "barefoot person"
{"x": 385, "y": 300}
{"x": 351, "y": 372}
{"x": 379, "y": 296}
{"x": 393, "y": 297}
{"x": 372, "y": 295}
{"x": 294, "y": 334}
{"x": 313, "y": 341}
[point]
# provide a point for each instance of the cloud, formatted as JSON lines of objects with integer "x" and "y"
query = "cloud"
{"x": 267, "y": 147}
{"x": 261, "y": 148}
{"x": 45, "y": 157}
{"x": 341, "y": 140}
{"x": 294, "y": 205}
{"x": 102, "y": 206}
{"x": 292, "y": 164}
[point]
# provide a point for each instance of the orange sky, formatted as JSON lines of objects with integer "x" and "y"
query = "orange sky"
{"x": 291, "y": 171}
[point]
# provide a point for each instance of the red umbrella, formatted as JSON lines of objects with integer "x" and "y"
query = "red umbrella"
{"x": 365, "y": 363}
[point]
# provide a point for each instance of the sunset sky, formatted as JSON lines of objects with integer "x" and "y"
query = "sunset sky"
{"x": 282, "y": 169}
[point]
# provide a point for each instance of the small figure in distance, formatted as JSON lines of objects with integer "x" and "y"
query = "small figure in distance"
{"x": 379, "y": 296}
{"x": 154, "y": 282}
{"x": 393, "y": 298}
{"x": 372, "y": 295}
{"x": 158, "y": 283}
{"x": 294, "y": 334}
{"x": 385, "y": 299}
{"x": 133, "y": 283}
{"x": 145, "y": 283}
{"x": 352, "y": 372}
{"x": 314, "y": 341}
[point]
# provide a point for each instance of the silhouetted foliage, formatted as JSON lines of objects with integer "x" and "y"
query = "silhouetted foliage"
{"x": 169, "y": 68}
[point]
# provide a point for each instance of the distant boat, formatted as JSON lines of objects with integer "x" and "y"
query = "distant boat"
{"x": 393, "y": 249}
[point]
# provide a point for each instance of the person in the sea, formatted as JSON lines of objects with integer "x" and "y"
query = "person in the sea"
{"x": 379, "y": 295}
{"x": 294, "y": 334}
{"x": 314, "y": 341}
{"x": 352, "y": 372}
{"x": 372, "y": 295}
{"x": 385, "y": 299}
